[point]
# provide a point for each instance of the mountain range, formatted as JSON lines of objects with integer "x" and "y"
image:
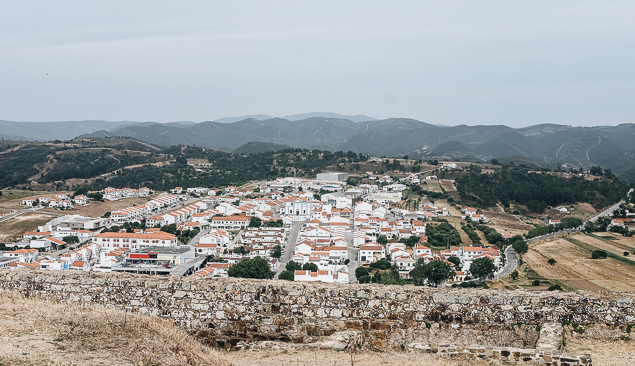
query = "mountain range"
{"x": 548, "y": 144}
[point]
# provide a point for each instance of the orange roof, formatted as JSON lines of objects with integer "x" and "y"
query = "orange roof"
{"x": 155, "y": 235}
{"x": 78, "y": 264}
{"x": 23, "y": 251}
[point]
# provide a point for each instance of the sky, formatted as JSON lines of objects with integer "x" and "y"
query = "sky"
{"x": 449, "y": 62}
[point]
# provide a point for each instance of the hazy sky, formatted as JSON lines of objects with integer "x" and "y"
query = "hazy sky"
{"x": 446, "y": 62}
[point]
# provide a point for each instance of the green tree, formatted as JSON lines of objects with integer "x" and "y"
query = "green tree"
{"x": 382, "y": 239}
{"x": 276, "y": 252}
{"x": 598, "y": 254}
{"x": 97, "y": 196}
{"x": 455, "y": 260}
{"x": 255, "y": 222}
{"x": 287, "y": 275}
{"x": 514, "y": 275}
{"x": 520, "y": 246}
{"x": 251, "y": 268}
{"x": 293, "y": 266}
{"x": 364, "y": 279}
{"x": 81, "y": 191}
{"x": 551, "y": 261}
{"x": 310, "y": 267}
{"x": 437, "y": 272}
{"x": 360, "y": 272}
{"x": 418, "y": 274}
{"x": 482, "y": 268}
{"x": 241, "y": 250}
{"x": 72, "y": 239}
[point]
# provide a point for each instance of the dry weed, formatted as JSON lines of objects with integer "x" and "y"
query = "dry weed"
{"x": 83, "y": 330}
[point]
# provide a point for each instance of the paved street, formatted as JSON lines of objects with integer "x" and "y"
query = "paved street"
{"x": 289, "y": 247}
{"x": 512, "y": 262}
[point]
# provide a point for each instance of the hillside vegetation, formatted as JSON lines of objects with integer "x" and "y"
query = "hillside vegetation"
{"x": 537, "y": 190}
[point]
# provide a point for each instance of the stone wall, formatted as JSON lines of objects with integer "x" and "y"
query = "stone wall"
{"x": 231, "y": 311}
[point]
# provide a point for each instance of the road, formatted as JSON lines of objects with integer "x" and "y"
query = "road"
{"x": 610, "y": 210}
{"x": 287, "y": 253}
{"x": 512, "y": 262}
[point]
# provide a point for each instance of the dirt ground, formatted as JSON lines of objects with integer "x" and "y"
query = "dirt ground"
{"x": 448, "y": 185}
{"x": 11, "y": 198}
{"x": 330, "y": 358}
{"x": 98, "y": 209}
{"x": 506, "y": 223}
{"x": 575, "y": 268}
{"x": 29, "y": 221}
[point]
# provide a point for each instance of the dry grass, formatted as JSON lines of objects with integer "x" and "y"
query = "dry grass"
{"x": 606, "y": 347}
{"x": 330, "y": 358}
{"x": 13, "y": 229}
{"x": 40, "y": 332}
{"x": 575, "y": 268}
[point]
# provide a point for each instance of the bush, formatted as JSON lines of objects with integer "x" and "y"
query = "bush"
{"x": 364, "y": 279}
{"x": 361, "y": 272}
{"x": 381, "y": 264}
{"x": 514, "y": 275}
{"x": 287, "y": 275}
{"x": 626, "y": 254}
{"x": 598, "y": 254}
{"x": 535, "y": 283}
{"x": 555, "y": 287}
{"x": 551, "y": 261}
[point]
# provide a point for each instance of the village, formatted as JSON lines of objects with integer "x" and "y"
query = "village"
{"x": 318, "y": 229}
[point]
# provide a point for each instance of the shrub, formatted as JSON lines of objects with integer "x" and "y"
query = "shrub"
{"x": 555, "y": 287}
{"x": 536, "y": 283}
{"x": 598, "y": 254}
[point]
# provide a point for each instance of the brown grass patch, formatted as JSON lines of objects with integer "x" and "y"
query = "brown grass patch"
{"x": 40, "y": 332}
{"x": 576, "y": 269}
{"x": 29, "y": 221}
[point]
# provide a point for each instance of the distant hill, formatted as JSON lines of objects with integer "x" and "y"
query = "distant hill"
{"x": 355, "y": 118}
{"x": 46, "y": 131}
{"x": 256, "y": 147}
{"x": 260, "y": 117}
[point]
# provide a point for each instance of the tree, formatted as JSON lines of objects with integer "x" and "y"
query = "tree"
{"x": 293, "y": 266}
{"x": 437, "y": 272}
{"x": 382, "y": 239}
{"x": 277, "y": 252}
{"x": 418, "y": 275}
{"x": 555, "y": 287}
{"x": 551, "y": 261}
{"x": 520, "y": 245}
{"x": 255, "y": 222}
{"x": 241, "y": 250}
{"x": 72, "y": 239}
{"x": 97, "y": 196}
{"x": 598, "y": 254}
{"x": 454, "y": 260}
{"x": 81, "y": 191}
{"x": 251, "y": 268}
{"x": 514, "y": 275}
{"x": 381, "y": 264}
{"x": 310, "y": 267}
{"x": 107, "y": 214}
{"x": 482, "y": 268}
{"x": 287, "y": 275}
{"x": 361, "y": 272}
{"x": 364, "y": 279}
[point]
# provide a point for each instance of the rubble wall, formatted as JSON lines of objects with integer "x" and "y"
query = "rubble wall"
{"x": 226, "y": 311}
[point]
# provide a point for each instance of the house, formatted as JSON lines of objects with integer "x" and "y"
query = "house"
{"x": 371, "y": 252}
{"x": 562, "y": 209}
{"x": 321, "y": 276}
{"x": 134, "y": 241}
{"x": 23, "y": 255}
{"x": 236, "y": 222}
{"x": 213, "y": 270}
{"x": 81, "y": 200}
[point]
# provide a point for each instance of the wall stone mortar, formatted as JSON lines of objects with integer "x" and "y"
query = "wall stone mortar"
{"x": 228, "y": 311}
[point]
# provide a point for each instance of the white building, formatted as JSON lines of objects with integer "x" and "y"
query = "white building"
{"x": 333, "y": 177}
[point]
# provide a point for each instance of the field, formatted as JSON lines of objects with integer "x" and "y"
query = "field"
{"x": 13, "y": 197}
{"x": 576, "y": 270}
{"x": 12, "y": 229}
